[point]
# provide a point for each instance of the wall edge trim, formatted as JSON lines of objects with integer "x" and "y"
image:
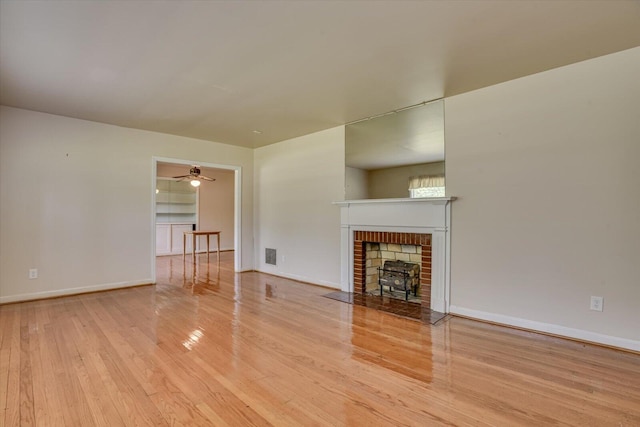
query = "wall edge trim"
{"x": 301, "y": 279}
{"x": 74, "y": 291}
{"x": 548, "y": 328}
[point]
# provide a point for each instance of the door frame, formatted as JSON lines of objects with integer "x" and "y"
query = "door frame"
{"x": 237, "y": 206}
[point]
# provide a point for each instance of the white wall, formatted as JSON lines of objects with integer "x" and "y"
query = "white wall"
{"x": 356, "y": 184}
{"x": 546, "y": 171}
{"x": 215, "y": 205}
{"x": 296, "y": 182}
{"x": 75, "y": 201}
{"x": 394, "y": 182}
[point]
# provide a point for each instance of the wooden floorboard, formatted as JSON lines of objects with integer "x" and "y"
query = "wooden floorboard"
{"x": 206, "y": 346}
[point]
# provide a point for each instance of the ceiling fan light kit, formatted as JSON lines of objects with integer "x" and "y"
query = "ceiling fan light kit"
{"x": 194, "y": 176}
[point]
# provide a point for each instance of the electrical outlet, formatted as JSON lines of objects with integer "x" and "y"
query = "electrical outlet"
{"x": 33, "y": 273}
{"x": 596, "y": 303}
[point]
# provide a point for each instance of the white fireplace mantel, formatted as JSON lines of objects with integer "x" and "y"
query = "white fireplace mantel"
{"x": 430, "y": 200}
{"x": 423, "y": 215}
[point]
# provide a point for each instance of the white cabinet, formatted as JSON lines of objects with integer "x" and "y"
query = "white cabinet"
{"x": 176, "y": 212}
{"x": 163, "y": 239}
{"x": 177, "y": 233}
{"x": 169, "y": 238}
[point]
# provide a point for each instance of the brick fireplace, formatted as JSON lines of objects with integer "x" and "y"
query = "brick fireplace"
{"x": 362, "y": 237}
{"x": 421, "y": 222}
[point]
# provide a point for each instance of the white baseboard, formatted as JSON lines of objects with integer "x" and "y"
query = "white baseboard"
{"x": 303, "y": 279}
{"x": 73, "y": 291}
{"x": 549, "y": 328}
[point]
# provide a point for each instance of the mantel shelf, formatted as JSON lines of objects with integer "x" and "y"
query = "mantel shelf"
{"x": 432, "y": 200}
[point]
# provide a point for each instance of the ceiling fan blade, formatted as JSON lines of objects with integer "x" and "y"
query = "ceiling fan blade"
{"x": 206, "y": 178}
{"x": 181, "y": 177}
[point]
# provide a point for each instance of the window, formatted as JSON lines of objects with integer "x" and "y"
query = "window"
{"x": 426, "y": 186}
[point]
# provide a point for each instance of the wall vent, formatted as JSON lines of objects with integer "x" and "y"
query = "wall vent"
{"x": 270, "y": 256}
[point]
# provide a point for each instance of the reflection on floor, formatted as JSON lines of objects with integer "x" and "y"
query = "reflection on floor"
{"x": 395, "y": 306}
{"x": 202, "y": 277}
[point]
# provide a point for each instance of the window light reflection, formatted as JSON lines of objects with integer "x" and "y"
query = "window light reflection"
{"x": 193, "y": 339}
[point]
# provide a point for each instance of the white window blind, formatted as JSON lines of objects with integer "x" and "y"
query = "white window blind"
{"x": 426, "y": 186}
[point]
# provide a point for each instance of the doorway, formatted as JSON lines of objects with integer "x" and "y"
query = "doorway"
{"x": 225, "y": 173}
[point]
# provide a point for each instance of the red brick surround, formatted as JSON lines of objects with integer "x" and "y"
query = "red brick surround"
{"x": 359, "y": 268}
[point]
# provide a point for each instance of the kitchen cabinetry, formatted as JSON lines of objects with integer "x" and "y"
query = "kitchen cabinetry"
{"x": 169, "y": 238}
{"x": 176, "y": 212}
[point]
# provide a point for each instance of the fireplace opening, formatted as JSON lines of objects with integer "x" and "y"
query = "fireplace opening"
{"x": 394, "y": 265}
{"x": 399, "y": 276}
{"x": 393, "y": 270}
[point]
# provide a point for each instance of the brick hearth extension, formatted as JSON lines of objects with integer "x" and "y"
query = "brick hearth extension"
{"x": 359, "y": 262}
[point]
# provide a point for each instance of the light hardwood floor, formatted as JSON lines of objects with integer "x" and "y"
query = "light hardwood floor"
{"x": 218, "y": 348}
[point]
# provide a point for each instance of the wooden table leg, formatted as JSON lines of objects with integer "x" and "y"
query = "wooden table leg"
{"x": 218, "y": 236}
{"x": 208, "y": 247}
{"x": 194, "y": 249}
{"x": 184, "y": 245}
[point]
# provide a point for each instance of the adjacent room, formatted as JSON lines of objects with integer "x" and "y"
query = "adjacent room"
{"x": 287, "y": 213}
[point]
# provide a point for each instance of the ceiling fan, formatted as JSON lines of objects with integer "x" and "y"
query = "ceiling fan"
{"x": 194, "y": 176}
